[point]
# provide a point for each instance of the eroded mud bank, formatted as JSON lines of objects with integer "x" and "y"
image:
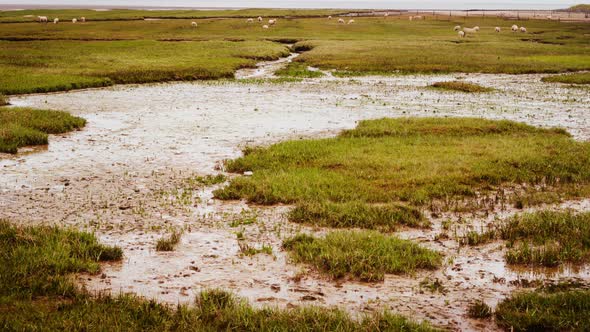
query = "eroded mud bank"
{"x": 125, "y": 177}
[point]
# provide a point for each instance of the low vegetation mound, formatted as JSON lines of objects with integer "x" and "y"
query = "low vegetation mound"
{"x": 545, "y": 310}
{"x": 3, "y": 100}
{"x": 365, "y": 255}
{"x": 578, "y": 78}
{"x": 26, "y": 126}
{"x": 298, "y": 70}
{"x": 375, "y": 175}
{"x": 461, "y": 86}
{"x": 36, "y": 293}
{"x": 546, "y": 238}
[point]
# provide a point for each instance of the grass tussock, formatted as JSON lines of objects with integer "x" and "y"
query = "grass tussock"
{"x": 461, "y": 87}
{"x": 206, "y": 181}
{"x": 578, "y": 78}
{"x": 364, "y": 255}
{"x": 359, "y": 178}
{"x": 479, "y": 310}
{"x": 545, "y": 238}
{"x": 3, "y": 100}
{"x": 170, "y": 242}
{"x": 25, "y": 126}
{"x": 37, "y": 293}
{"x": 562, "y": 310}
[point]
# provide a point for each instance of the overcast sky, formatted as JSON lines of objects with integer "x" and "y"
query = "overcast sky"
{"x": 401, "y": 4}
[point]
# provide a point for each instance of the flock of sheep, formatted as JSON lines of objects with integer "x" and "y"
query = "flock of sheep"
{"x": 44, "y": 19}
{"x": 463, "y": 32}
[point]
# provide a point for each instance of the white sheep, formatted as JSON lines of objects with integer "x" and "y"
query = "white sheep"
{"x": 250, "y": 20}
{"x": 523, "y": 29}
{"x": 350, "y": 22}
{"x": 259, "y": 19}
{"x": 457, "y": 28}
{"x": 329, "y": 17}
{"x": 476, "y": 28}
{"x": 514, "y": 28}
{"x": 411, "y": 18}
{"x": 386, "y": 14}
{"x": 74, "y": 20}
{"x": 341, "y": 21}
{"x": 272, "y": 22}
{"x": 265, "y": 26}
{"x": 42, "y": 19}
{"x": 498, "y": 29}
{"x": 55, "y": 20}
{"x": 418, "y": 17}
{"x": 194, "y": 24}
{"x": 461, "y": 34}
{"x": 469, "y": 30}
{"x": 83, "y": 19}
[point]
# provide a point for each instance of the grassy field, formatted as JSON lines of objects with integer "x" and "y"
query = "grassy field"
{"x": 102, "y": 53}
{"x": 25, "y": 126}
{"x": 37, "y": 293}
{"x": 579, "y": 78}
{"x": 436, "y": 163}
{"x": 546, "y": 310}
{"x": 461, "y": 87}
{"x": 365, "y": 255}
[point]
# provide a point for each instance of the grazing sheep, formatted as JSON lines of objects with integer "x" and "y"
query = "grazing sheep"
{"x": 341, "y": 21}
{"x": 329, "y": 17}
{"x": 457, "y": 28}
{"x": 259, "y": 19}
{"x": 83, "y": 19}
{"x": 350, "y": 22}
{"x": 498, "y": 29}
{"x": 514, "y": 28}
{"x": 418, "y": 17}
{"x": 55, "y": 20}
{"x": 469, "y": 30}
{"x": 194, "y": 24}
{"x": 272, "y": 22}
{"x": 74, "y": 20}
{"x": 476, "y": 28}
{"x": 265, "y": 26}
{"x": 461, "y": 34}
{"x": 42, "y": 19}
{"x": 250, "y": 20}
{"x": 386, "y": 14}
{"x": 523, "y": 29}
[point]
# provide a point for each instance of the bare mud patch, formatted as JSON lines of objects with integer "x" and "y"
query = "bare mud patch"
{"x": 125, "y": 177}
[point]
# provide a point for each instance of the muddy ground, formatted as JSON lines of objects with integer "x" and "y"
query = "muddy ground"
{"x": 125, "y": 177}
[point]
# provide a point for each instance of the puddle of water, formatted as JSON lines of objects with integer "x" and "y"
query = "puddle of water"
{"x": 123, "y": 176}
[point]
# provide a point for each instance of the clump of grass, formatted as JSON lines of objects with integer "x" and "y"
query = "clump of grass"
{"x": 243, "y": 221}
{"x": 3, "y": 100}
{"x": 37, "y": 261}
{"x": 479, "y": 310}
{"x": 247, "y": 250}
{"x": 545, "y": 238}
{"x": 433, "y": 285}
{"x": 169, "y": 243}
{"x": 26, "y": 126}
{"x": 434, "y": 162}
{"x": 461, "y": 86}
{"x": 577, "y": 78}
{"x": 567, "y": 310}
{"x": 298, "y": 70}
{"x": 365, "y": 255}
{"x": 356, "y": 214}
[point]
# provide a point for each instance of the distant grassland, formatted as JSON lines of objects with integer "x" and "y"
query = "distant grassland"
{"x": 46, "y": 57}
{"x": 25, "y": 126}
{"x": 579, "y": 78}
{"x": 359, "y": 178}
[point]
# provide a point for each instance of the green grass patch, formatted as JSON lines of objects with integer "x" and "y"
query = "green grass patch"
{"x": 298, "y": 70}
{"x": 562, "y": 310}
{"x": 479, "y": 310}
{"x": 37, "y": 261}
{"x": 26, "y": 126}
{"x": 439, "y": 163}
{"x": 169, "y": 243}
{"x": 37, "y": 293}
{"x": 545, "y": 238}
{"x": 461, "y": 87}
{"x": 578, "y": 78}
{"x": 365, "y": 255}
{"x": 206, "y": 181}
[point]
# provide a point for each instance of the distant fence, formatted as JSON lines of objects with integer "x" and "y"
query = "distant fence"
{"x": 509, "y": 14}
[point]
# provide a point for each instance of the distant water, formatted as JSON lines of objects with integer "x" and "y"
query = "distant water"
{"x": 353, "y": 4}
